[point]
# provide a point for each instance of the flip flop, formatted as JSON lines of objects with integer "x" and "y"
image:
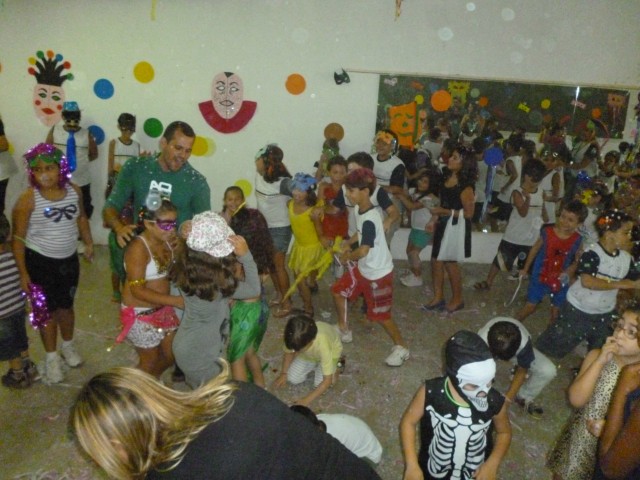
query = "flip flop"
{"x": 454, "y": 310}
{"x": 483, "y": 285}
{"x": 282, "y": 312}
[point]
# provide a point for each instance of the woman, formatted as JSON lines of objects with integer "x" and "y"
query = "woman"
{"x": 457, "y": 198}
{"x": 135, "y": 427}
{"x": 273, "y": 191}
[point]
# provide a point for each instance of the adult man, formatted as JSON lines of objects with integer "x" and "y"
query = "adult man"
{"x": 166, "y": 175}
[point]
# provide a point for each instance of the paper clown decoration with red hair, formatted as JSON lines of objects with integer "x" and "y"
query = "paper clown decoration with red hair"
{"x": 48, "y": 94}
{"x": 227, "y": 112}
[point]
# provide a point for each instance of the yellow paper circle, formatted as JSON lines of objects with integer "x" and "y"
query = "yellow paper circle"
{"x": 245, "y": 186}
{"x": 143, "y": 72}
{"x": 546, "y": 103}
{"x": 203, "y": 147}
{"x": 419, "y": 99}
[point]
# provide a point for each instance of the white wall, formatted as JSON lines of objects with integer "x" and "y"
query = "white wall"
{"x": 189, "y": 41}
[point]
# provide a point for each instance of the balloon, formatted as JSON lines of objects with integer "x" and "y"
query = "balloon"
{"x": 493, "y": 156}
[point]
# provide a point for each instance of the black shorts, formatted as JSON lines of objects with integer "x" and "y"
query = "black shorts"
{"x": 513, "y": 255}
{"x": 13, "y": 336}
{"x": 57, "y": 277}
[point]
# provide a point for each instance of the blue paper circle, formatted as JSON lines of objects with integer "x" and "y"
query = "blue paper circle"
{"x": 103, "y": 88}
{"x": 98, "y": 134}
{"x": 493, "y": 156}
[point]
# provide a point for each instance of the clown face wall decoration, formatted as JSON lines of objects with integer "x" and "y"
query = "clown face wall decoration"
{"x": 48, "y": 94}
{"x": 227, "y": 112}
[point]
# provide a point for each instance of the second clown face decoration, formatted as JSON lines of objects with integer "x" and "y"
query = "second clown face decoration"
{"x": 48, "y": 94}
{"x": 228, "y": 112}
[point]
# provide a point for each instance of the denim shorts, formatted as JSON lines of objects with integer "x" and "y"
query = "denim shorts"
{"x": 13, "y": 336}
{"x": 281, "y": 237}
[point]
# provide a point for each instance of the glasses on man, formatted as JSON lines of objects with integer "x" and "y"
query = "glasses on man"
{"x": 630, "y": 331}
{"x": 166, "y": 225}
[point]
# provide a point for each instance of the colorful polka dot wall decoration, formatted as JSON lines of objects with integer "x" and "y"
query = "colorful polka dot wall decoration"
{"x": 295, "y": 84}
{"x": 153, "y": 127}
{"x": 203, "y": 147}
{"x": 441, "y": 100}
{"x": 335, "y": 131}
{"x": 97, "y": 133}
{"x": 245, "y": 186}
{"x": 143, "y": 72}
{"x": 419, "y": 99}
{"x": 103, "y": 89}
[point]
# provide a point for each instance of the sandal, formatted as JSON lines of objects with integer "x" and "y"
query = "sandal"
{"x": 483, "y": 285}
{"x": 309, "y": 312}
{"x": 274, "y": 302}
{"x": 282, "y": 312}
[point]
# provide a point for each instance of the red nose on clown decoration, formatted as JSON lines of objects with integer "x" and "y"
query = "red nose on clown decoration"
{"x": 227, "y": 112}
{"x": 48, "y": 94}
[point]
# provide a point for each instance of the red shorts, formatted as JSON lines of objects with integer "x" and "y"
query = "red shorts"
{"x": 377, "y": 293}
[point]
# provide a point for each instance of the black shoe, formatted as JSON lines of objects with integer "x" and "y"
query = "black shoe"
{"x": 31, "y": 371}
{"x": 18, "y": 381}
{"x": 177, "y": 376}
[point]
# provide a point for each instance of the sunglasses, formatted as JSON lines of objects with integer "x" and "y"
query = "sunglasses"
{"x": 166, "y": 225}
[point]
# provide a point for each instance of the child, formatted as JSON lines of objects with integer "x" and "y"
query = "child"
{"x": 592, "y": 197}
{"x": 273, "y": 191}
{"x": 507, "y": 179}
{"x": 147, "y": 315}
{"x": 553, "y": 256}
{"x": 46, "y": 221}
{"x": 456, "y": 414}
{"x": 350, "y": 431}
{"x": 389, "y": 170}
{"x": 249, "y": 316}
{"x": 419, "y": 201}
{"x": 479, "y": 145}
{"x": 120, "y": 149}
{"x": 14, "y": 344}
{"x": 309, "y": 347}
{"x": 509, "y": 340}
{"x": 78, "y": 143}
{"x": 204, "y": 272}
{"x": 330, "y": 149}
{"x": 335, "y": 221}
{"x": 457, "y": 201}
{"x": 603, "y": 269}
{"x": 574, "y": 455}
{"x": 372, "y": 276}
{"x": 524, "y": 224}
{"x": 553, "y": 182}
{"x": 305, "y": 215}
{"x": 380, "y": 198}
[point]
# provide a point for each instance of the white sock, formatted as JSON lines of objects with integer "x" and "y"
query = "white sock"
{"x": 66, "y": 343}
{"x": 51, "y": 355}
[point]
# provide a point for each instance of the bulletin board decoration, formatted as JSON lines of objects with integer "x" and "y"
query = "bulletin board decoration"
{"x": 511, "y": 103}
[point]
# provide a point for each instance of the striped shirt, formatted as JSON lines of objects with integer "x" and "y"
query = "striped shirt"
{"x": 11, "y": 298}
{"x": 53, "y": 226}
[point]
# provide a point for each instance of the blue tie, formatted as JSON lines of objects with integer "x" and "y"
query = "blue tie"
{"x": 71, "y": 151}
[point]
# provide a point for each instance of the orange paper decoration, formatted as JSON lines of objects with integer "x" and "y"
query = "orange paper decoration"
{"x": 596, "y": 113}
{"x": 335, "y": 131}
{"x": 441, "y": 100}
{"x": 296, "y": 84}
{"x": 483, "y": 101}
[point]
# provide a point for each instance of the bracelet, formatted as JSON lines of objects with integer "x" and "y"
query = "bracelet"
{"x": 137, "y": 283}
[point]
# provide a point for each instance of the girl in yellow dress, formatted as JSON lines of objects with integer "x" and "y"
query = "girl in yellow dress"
{"x": 305, "y": 213}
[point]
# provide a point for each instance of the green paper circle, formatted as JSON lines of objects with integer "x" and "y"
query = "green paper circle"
{"x": 153, "y": 127}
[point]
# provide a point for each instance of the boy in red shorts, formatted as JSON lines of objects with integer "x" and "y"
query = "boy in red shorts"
{"x": 372, "y": 276}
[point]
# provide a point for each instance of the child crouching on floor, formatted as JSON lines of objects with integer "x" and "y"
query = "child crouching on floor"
{"x": 310, "y": 347}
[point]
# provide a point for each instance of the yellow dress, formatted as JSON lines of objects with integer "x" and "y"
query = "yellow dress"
{"x": 307, "y": 248}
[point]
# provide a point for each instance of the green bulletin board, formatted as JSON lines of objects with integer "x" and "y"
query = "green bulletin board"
{"x": 511, "y": 103}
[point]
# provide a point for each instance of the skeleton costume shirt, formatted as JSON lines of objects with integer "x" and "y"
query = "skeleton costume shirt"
{"x": 455, "y": 440}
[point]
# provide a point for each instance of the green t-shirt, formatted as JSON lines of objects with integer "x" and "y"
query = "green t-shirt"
{"x": 187, "y": 188}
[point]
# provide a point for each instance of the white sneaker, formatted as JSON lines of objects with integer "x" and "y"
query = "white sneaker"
{"x": 398, "y": 356}
{"x": 410, "y": 280}
{"x": 346, "y": 337}
{"x": 71, "y": 356}
{"x": 53, "y": 370}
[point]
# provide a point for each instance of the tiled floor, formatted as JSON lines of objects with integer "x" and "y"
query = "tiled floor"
{"x": 34, "y": 438}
